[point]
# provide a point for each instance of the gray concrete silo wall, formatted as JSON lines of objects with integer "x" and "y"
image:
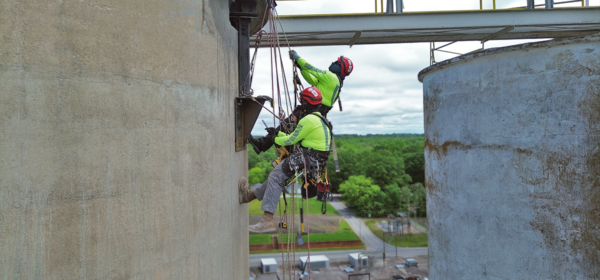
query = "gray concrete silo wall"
{"x": 513, "y": 162}
{"x": 117, "y": 155}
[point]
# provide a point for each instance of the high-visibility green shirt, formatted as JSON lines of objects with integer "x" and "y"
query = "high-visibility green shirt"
{"x": 311, "y": 132}
{"x": 326, "y": 81}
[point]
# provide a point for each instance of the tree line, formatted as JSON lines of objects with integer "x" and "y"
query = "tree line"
{"x": 379, "y": 174}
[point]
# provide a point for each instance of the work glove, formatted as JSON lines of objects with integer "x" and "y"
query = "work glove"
{"x": 271, "y": 131}
{"x": 294, "y": 55}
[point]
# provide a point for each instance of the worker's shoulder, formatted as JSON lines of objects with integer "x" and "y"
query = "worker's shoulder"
{"x": 311, "y": 118}
{"x": 332, "y": 77}
{"x": 315, "y": 118}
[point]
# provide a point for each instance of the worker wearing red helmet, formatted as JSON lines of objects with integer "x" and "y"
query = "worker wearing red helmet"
{"x": 328, "y": 82}
{"x": 313, "y": 133}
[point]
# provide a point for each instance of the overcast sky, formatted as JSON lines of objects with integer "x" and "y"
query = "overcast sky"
{"x": 383, "y": 94}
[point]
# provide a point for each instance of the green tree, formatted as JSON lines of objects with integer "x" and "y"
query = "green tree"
{"x": 394, "y": 201}
{"x": 255, "y": 175}
{"x": 419, "y": 198}
{"x": 259, "y": 166}
{"x": 360, "y": 192}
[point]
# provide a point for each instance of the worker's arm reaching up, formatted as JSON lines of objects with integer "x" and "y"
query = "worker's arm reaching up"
{"x": 326, "y": 81}
{"x": 310, "y": 73}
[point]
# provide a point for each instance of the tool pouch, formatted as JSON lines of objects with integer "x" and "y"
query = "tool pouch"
{"x": 309, "y": 189}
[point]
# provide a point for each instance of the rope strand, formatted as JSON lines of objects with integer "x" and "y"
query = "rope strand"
{"x": 276, "y": 88}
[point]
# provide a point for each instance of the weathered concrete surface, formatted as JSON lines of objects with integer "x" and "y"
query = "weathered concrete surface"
{"x": 513, "y": 162}
{"x": 117, "y": 152}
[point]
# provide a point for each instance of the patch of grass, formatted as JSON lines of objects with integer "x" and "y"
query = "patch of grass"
{"x": 304, "y": 249}
{"x": 422, "y": 228}
{"x": 344, "y": 225}
{"x": 412, "y": 240}
{"x": 343, "y": 233}
{"x": 338, "y": 235}
{"x": 259, "y": 239}
{"x": 314, "y": 207}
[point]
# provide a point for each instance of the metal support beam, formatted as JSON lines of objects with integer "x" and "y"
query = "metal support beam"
{"x": 241, "y": 13}
{"x": 530, "y": 4}
{"x": 247, "y": 110}
{"x": 356, "y": 36}
{"x": 445, "y": 45}
{"x": 503, "y": 31}
{"x": 431, "y": 53}
{"x": 549, "y": 4}
{"x": 243, "y": 54}
{"x": 390, "y": 6}
{"x": 327, "y": 30}
{"x": 399, "y": 6}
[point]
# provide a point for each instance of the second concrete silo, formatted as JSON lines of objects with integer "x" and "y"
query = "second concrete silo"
{"x": 513, "y": 162}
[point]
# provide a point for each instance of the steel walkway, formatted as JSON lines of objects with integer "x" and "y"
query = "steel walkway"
{"x": 356, "y": 29}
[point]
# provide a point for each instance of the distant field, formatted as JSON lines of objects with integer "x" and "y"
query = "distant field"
{"x": 314, "y": 207}
{"x": 412, "y": 240}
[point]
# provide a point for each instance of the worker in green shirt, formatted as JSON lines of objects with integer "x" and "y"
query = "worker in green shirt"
{"x": 313, "y": 132}
{"x": 329, "y": 83}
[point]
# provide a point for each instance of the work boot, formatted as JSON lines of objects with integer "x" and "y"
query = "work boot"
{"x": 245, "y": 194}
{"x": 266, "y": 224}
{"x": 255, "y": 144}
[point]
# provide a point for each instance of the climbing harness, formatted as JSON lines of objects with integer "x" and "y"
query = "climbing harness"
{"x": 324, "y": 193}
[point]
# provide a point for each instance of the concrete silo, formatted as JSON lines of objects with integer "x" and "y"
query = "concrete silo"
{"x": 117, "y": 131}
{"x": 513, "y": 162}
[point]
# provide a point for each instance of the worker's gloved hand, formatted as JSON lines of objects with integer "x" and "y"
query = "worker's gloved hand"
{"x": 294, "y": 55}
{"x": 271, "y": 131}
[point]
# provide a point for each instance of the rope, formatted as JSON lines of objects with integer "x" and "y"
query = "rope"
{"x": 284, "y": 35}
{"x": 275, "y": 57}
{"x": 307, "y": 221}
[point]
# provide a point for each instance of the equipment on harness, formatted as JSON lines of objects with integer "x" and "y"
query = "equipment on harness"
{"x": 301, "y": 219}
{"x": 283, "y": 223}
{"x": 283, "y": 153}
{"x": 309, "y": 189}
{"x": 310, "y": 160}
{"x": 324, "y": 193}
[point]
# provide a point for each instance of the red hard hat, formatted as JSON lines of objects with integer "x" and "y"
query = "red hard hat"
{"x": 312, "y": 95}
{"x": 346, "y": 64}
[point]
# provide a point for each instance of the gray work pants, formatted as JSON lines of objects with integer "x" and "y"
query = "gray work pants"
{"x": 270, "y": 191}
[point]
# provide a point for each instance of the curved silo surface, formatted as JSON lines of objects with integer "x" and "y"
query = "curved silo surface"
{"x": 117, "y": 141}
{"x": 513, "y": 162}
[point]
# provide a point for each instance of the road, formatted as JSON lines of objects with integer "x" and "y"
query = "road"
{"x": 375, "y": 246}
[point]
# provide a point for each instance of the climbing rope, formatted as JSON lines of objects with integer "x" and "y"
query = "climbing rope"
{"x": 277, "y": 71}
